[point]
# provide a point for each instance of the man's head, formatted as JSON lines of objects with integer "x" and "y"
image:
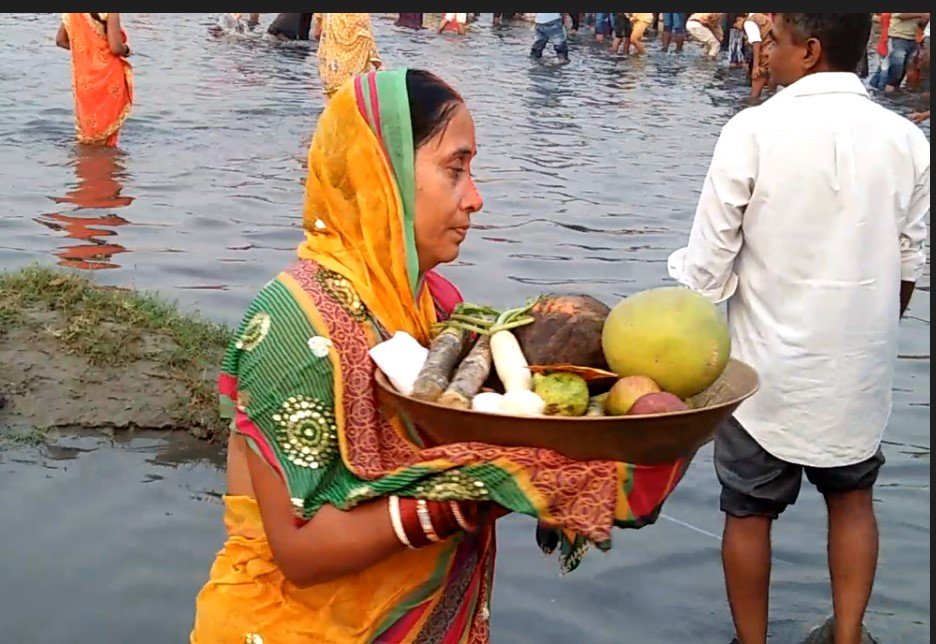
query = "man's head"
{"x": 739, "y": 20}
{"x": 806, "y": 43}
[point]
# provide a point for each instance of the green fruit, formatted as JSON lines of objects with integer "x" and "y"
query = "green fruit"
{"x": 673, "y": 335}
{"x": 565, "y": 394}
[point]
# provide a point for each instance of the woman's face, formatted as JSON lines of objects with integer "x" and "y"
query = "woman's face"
{"x": 446, "y": 194}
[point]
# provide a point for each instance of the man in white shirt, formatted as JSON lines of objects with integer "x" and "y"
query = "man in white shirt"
{"x": 812, "y": 225}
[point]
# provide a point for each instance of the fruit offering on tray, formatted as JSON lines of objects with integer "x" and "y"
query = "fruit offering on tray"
{"x": 650, "y": 354}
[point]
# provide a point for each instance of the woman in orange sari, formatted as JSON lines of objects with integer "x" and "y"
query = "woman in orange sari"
{"x": 102, "y": 78}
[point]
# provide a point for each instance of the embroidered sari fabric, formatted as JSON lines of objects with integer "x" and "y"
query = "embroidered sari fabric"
{"x": 346, "y": 47}
{"x": 102, "y": 82}
{"x": 299, "y": 385}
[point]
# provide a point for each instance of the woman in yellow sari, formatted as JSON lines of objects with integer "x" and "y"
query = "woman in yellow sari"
{"x": 346, "y": 48}
{"x": 102, "y": 79}
{"x": 343, "y": 527}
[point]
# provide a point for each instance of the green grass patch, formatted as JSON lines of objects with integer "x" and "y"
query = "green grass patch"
{"x": 113, "y": 327}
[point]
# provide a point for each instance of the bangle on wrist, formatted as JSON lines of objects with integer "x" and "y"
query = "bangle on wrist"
{"x": 397, "y": 522}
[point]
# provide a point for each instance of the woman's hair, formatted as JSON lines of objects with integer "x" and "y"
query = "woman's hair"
{"x": 431, "y": 103}
{"x": 844, "y": 36}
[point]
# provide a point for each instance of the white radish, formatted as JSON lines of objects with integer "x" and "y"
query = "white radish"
{"x": 510, "y": 363}
{"x": 522, "y": 402}
{"x": 488, "y": 402}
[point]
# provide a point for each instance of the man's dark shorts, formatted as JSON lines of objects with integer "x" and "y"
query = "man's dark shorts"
{"x": 757, "y": 483}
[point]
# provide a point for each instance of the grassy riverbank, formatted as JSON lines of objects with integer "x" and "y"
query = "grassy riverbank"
{"x": 78, "y": 355}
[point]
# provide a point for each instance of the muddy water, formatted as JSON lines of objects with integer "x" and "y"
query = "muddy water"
{"x": 590, "y": 175}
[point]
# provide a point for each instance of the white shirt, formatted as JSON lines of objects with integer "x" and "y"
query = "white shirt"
{"x": 813, "y": 211}
{"x": 752, "y": 31}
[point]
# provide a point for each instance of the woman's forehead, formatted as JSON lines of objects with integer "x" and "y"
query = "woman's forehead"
{"x": 458, "y": 135}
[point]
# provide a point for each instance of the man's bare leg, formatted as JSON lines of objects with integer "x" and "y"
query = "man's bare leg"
{"x": 680, "y": 41}
{"x": 665, "y": 40}
{"x": 757, "y": 87}
{"x": 853, "y": 556}
{"x": 746, "y": 560}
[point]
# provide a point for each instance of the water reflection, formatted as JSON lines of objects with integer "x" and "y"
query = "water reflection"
{"x": 100, "y": 172}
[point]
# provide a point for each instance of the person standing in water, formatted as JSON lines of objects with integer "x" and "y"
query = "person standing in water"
{"x": 457, "y": 22}
{"x": 758, "y": 31}
{"x": 674, "y": 27}
{"x": 812, "y": 225}
{"x": 409, "y": 20}
{"x": 346, "y": 48}
{"x": 640, "y": 22}
{"x": 550, "y": 28}
{"x": 707, "y": 29}
{"x": 102, "y": 79}
{"x": 291, "y": 26}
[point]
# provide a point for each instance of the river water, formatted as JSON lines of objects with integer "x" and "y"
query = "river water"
{"x": 590, "y": 175}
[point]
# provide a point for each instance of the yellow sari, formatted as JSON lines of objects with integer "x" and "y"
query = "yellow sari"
{"x": 298, "y": 384}
{"x": 346, "y": 48}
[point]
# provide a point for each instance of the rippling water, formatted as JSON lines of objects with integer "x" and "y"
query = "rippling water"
{"x": 590, "y": 175}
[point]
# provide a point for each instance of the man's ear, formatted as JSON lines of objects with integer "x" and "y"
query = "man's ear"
{"x": 812, "y": 53}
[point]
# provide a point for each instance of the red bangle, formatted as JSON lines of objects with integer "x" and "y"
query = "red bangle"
{"x": 418, "y": 523}
{"x": 411, "y": 525}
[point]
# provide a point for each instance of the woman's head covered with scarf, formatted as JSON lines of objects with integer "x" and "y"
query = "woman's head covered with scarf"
{"x": 390, "y": 194}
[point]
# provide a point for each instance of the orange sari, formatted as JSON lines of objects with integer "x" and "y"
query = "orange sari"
{"x": 102, "y": 82}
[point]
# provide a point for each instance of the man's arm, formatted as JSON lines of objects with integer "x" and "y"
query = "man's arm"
{"x": 913, "y": 235}
{"x": 910, "y": 16}
{"x": 716, "y": 236}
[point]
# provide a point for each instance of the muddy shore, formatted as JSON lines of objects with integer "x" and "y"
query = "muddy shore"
{"x": 75, "y": 355}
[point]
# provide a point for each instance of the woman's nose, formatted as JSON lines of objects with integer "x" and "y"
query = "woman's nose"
{"x": 473, "y": 201}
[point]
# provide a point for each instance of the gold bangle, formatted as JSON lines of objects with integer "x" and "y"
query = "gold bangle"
{"x": 425, "y": 521}
{"x": 397, "y": 522}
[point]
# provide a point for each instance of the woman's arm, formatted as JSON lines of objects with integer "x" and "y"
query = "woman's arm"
{"x": 114, "y": 37}
{"x": 333, "y": 544}
{"x": 61, "y": 38}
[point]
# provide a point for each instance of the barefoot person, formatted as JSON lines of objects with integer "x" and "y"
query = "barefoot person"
{"x": 102, "y": 79}
{"x": 758, "y": 31}
{"x": 707, "y": 29}
{"x": 812, "y": 225}
{"x": 640, "y": 22}
{"x": 341, "y": 526}
{"x": 674, "y": 28}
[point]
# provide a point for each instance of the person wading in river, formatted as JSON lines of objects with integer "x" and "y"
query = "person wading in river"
{"x": 812, "y": 225}
{"x": 102, "y": 79}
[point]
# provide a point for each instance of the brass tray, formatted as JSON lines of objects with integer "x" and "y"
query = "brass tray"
{"x": 642, "y": 440}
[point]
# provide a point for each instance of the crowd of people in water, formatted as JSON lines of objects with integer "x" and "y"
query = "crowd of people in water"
{"x": 897, "y": 58}
{"x": 812, "y": 224}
